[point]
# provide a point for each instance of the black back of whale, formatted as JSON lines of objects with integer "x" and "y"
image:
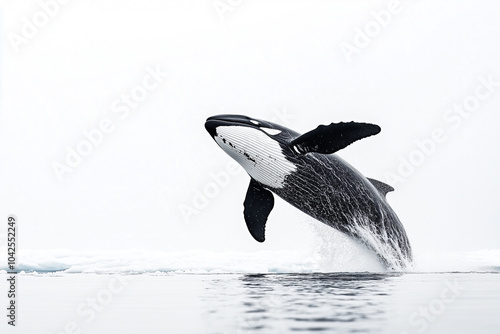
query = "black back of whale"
{"x": 333, "y": 192}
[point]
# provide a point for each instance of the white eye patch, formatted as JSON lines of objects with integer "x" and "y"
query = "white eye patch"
{"x": 254, "y": 122}
{"x": 271, "y": 132}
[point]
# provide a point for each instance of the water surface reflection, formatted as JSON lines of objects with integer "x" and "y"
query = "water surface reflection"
{"x": 274, "y": 303}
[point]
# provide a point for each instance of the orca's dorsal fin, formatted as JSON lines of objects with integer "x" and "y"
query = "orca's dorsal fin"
{"x": 327, "y": 139}
{"x": 258, "y": 204}
{"x": 382, "y": 187}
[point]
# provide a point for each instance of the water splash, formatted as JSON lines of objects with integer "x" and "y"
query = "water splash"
{"x": 337, "y": 252}
{"x": 386, "y": 248}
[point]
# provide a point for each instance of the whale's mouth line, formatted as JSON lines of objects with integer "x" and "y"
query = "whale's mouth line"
{"x": 212, "y": 123}
{"x": 221, "y": 122}
{"x": 228, "y": 120}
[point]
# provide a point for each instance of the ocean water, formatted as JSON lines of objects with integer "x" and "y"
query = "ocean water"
{"x": 199, "y": 291}
{"x": 403, "y": 303}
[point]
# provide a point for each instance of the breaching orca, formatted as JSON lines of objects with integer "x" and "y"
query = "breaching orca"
{"x": 302, "y": 170}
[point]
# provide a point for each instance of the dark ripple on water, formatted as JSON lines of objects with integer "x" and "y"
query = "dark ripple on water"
{"x": 264, "y": 303}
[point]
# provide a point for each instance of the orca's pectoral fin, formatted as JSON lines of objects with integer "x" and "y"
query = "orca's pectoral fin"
{"x": 258, "y": 204}
{"x": 382, "y": 187}
{"x": 327, "y": 139}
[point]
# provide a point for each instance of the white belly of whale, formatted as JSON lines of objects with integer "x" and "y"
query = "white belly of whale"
{"x": 261, "y": 156}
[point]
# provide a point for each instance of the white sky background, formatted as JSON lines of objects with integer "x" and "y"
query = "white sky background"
{"x": 262, "y": 57}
